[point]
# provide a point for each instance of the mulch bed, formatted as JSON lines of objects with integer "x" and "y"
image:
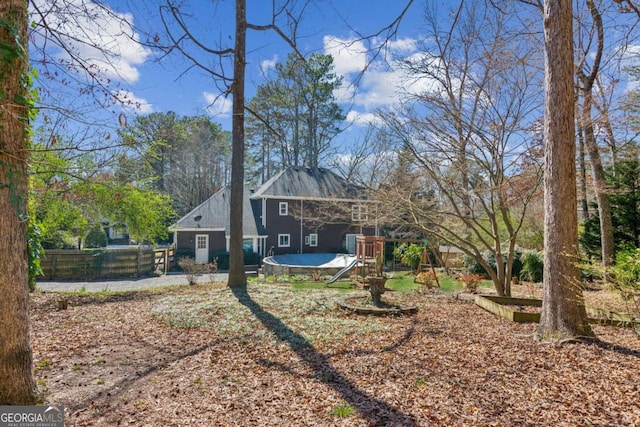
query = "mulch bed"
{"x": 111, "y": 361}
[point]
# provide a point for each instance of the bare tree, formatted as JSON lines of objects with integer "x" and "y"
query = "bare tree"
{"x": 473, "y": 97}
{"x": 78, "y": 47}
{"x": 563, "y": 313}
{"x": 587, "y": 74}
{"x": 16, "y": 380}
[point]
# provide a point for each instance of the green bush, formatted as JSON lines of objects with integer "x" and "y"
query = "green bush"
{"x": 532, "y": 266}
{"x": 96, "y": 237}
{"x": 626, "y": 270}
{"x": 250, "y": 258}
{"x": 409, "y": 255}
{"x": 184, "y": 253}
{"x": 625, "y": 278}
{"x": 57, "y": 240}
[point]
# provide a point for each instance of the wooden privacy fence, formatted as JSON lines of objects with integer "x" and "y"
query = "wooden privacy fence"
{"x": 92, "y": 264}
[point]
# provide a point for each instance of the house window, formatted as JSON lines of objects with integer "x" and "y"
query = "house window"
{"x": 313, "y": 239}
{"x": 359, "y": 213}
{"x": 201, "y": 242}
{"x": 283, "y": 240}
{"x": 284, "y": 209}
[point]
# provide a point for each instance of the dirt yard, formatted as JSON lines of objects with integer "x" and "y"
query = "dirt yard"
{"x": 207, "y": 356}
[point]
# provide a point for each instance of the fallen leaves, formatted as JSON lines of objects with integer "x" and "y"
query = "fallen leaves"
{"x": 198, "y": 356}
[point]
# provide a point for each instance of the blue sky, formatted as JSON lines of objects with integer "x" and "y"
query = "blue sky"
{"x": 155, "y": 83}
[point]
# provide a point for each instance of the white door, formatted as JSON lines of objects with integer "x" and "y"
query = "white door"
{"x": 202, "y": 248}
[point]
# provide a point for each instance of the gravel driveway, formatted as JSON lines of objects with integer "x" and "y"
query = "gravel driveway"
{"x": 170, "y": 279}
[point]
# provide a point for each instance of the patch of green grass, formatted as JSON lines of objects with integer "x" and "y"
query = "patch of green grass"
{"x": 303, "y": 286}
{"x": 420, "y": 382}
{"x": 100, "y": 381}
{"x": 449, "y": 284}
{"x": 486, "y": 284}
{"x": 76, "y": 367}
{"x": 342, "y": 410}
{"x": 402, "y": 282}
{"x": 44, "y": 363}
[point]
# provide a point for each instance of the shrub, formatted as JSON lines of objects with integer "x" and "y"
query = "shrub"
{"x": 250, "y": 258}
{"x": 532, "y": 266}
{"x": 471, "y": 281}
{"x": 409, "y": 255}
{"x": 222, "y": 258}
{"x": 191, "y": 269}
{"x": 625, "y": 277}
{"x": 184, "y": 253}
{"x": 428, "y": 278}
{"x": 96, "y": 237}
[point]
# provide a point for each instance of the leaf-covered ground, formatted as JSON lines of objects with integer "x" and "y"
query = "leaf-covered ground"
{"x": 273, "y": 357}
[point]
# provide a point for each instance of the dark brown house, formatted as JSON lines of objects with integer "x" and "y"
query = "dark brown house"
{"x": 300, "y": 210}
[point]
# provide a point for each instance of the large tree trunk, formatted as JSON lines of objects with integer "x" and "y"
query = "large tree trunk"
{"x": 237, "y": 276}
{"x": 563, "y": 313}
{"x": 16, "y": 381}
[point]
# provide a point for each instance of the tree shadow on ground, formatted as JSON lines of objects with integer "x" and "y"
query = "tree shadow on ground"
{"x": 375, "y": 411}
{"x": 614, "y": 347}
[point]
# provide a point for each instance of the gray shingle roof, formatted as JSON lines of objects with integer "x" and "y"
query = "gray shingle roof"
{"x": 213, "y": 213}
{"x": 309, "y": 183}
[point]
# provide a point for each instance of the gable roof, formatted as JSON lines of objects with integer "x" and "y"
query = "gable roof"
{"x": 297, "y": 182}
{"x": 213, "y": 214}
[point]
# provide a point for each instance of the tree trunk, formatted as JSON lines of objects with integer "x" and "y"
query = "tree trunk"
{"x": 563, "y": 314}
{"x": 16, "y": 381}
{"x": 584, "y": 203}
{"x": 599, "y": 180}
{"x": 587, "y": 82}
{"x": 237, "y": 276}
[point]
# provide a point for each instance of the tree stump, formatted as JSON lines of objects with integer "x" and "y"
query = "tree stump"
{"x": 376, "y": 288}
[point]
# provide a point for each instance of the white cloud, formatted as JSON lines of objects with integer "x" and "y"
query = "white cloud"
{"x": 383, "y": 83}
{"x": 402, "y": 46}
{"x": 349, "y": 56}
{"x": 131, "y": 102}
{"x": 99, "y": 38}
{"x": 362, "y": 119}
{"x": 217, "y": 105}
{"x": 268, "y": 64}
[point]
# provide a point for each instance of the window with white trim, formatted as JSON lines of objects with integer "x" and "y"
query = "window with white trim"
{"x": 359, "y": 213}
{"x": 313, "y": 239}
{"x": 201, "y": 242}
{"x": 283, "y": 208}
{"x": 284, "y": 240}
